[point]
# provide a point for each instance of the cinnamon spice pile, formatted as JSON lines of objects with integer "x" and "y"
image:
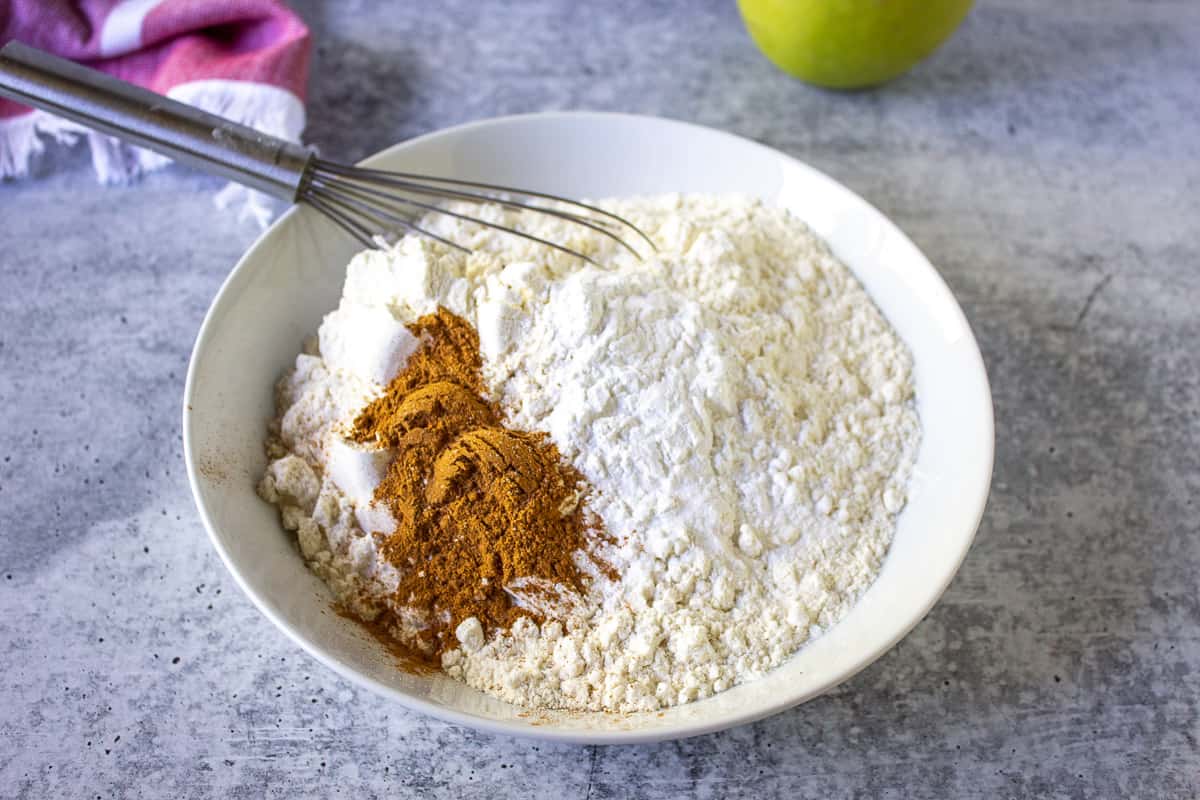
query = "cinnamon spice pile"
{"x": 483, "y": 512}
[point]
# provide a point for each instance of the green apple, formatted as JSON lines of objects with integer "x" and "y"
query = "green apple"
{"x": 850, "y": 44}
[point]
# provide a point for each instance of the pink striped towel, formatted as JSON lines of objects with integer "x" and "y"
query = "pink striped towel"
{"x": 243, "y": 59}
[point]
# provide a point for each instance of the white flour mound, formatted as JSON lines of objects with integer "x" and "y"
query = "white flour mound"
{"x": 742, "y": 411}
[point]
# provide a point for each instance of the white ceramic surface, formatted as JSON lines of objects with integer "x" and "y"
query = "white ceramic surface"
{"x": 292, "y": 275}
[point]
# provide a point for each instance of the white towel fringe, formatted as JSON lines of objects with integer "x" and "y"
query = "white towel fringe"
{"x": 274, "y": 111}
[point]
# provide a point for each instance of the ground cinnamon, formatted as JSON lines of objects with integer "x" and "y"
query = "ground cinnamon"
{"x": 484, "y": 514}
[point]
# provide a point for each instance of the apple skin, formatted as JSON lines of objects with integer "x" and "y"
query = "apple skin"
{"x": 850, "y": 44}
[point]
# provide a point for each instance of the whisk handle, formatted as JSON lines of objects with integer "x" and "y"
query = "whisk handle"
{"x": 139, "y": 116}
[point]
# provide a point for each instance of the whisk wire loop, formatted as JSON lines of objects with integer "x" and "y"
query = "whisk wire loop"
{"x": 594, "y": 217}
{"x": 364, "y": 194}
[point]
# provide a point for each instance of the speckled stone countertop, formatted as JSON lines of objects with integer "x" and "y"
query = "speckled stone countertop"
{"x": 1048, "y": 162}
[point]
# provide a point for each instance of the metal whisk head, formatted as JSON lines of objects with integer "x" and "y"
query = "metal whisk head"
{"x": 370, "y": 202}
{"x": 365, "y": 202}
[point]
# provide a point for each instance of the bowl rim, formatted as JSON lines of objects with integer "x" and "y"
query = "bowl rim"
{"x": 549, "y": 732}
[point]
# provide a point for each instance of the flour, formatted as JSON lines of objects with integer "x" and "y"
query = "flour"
{"x": 741, "y": 409}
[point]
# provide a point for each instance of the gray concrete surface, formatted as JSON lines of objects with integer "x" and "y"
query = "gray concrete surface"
{"x": 1047, "y": 160}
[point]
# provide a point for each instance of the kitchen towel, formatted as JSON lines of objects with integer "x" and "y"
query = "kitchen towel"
{"x": 246, "y": 60}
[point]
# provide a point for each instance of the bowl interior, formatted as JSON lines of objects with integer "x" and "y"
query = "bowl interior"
{"x": 292, "y": 276}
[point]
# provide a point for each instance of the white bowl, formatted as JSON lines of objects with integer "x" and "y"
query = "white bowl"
{"x": 293, "y": 274}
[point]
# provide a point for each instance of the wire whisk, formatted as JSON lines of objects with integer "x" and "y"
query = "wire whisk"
{"x": 365, "y": 203}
